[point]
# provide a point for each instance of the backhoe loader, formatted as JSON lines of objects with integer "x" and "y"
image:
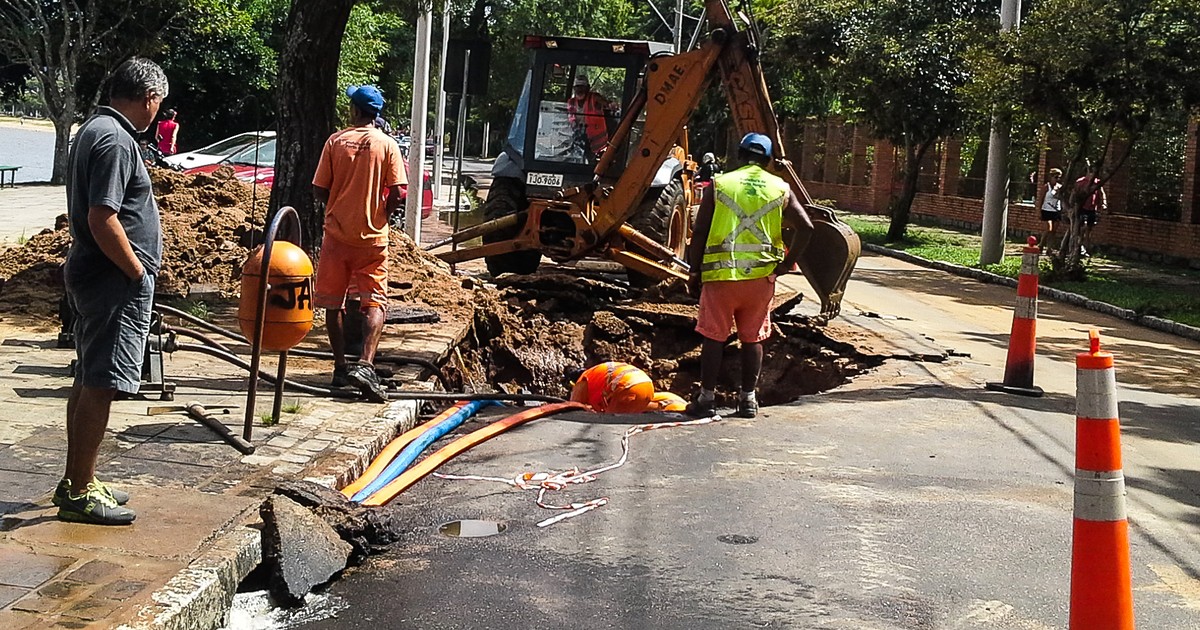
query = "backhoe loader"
{"x": 560, "y": 190}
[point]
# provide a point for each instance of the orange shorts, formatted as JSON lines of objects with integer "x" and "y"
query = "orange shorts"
{"x": 342, "y": 266}
{"x": 744, "y": 302}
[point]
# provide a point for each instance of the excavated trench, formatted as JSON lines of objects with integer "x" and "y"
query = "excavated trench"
{"x": 537, "y": 329}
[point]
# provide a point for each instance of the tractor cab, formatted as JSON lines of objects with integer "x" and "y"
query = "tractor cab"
{"x": 575, "y": 94}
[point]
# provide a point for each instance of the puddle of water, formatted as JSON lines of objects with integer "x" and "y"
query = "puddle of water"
{"x": 470, "y": 528}
{"x": 256, "y": 610}
{"x": 737, "y": 539}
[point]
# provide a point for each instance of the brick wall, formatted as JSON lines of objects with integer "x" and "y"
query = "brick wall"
{"x": 1150, "y": 239}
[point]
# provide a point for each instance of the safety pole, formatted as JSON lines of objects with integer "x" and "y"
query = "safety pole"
{"x": 441, "y": 103}
{"x": 419, "y": 123}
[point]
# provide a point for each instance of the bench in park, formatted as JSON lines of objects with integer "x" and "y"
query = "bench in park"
{"x": 12, "y": 178}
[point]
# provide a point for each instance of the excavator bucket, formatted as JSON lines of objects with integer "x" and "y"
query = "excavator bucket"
{"x": 829, "y": 258}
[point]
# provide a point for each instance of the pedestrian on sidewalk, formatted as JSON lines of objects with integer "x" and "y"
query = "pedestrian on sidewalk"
{"x": 116, "y": 250}
{"x": 737, "y": 251}
{"x": 360, "y": 179}
{"x": 168, "y": 133}
{"x": 1095, "y": 201}
{"x": 1051, "y": 206}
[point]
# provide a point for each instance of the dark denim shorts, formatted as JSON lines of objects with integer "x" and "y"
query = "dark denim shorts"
{"x": 111, "y": 329}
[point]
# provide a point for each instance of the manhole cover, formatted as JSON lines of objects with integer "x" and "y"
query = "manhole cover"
{"x": 737, "y": 539}
{"x": 469, "y": 528}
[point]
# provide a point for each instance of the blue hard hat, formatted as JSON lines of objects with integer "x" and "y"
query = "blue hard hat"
{"x": 368, "y": 98}
{"x": 756, "y": 143}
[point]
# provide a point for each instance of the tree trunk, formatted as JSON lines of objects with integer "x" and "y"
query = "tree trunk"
{"x": 305, "y": 102}
{"x": 902, "y": 205}
{"x": 62, "y": 147}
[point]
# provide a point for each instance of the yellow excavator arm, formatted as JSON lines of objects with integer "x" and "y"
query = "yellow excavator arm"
{"x": 671, "y": 90}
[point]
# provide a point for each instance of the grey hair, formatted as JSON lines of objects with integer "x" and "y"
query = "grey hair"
{"x": 137, "y": 78}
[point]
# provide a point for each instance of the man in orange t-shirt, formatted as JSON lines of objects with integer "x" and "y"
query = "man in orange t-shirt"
{"x": 360, "y": 179}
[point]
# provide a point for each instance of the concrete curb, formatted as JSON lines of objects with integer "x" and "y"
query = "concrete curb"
{"x": 200, "y": 596}
{"x": 1147, "y": 321}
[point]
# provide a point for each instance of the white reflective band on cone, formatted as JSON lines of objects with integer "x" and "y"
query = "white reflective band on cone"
{"x": 1099, "y": 496}
{"x": 1026, "y": 308}
{"x": 1096, "y": 394}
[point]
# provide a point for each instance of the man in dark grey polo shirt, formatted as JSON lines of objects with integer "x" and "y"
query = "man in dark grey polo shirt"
{"x": 116, "y": 250}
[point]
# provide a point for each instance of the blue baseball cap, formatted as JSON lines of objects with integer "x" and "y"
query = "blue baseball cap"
{"x": 366, "y": 97}
{"x": 756, "y": 143}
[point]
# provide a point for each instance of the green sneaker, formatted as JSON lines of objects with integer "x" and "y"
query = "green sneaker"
{"x": 95, "y": 506}
{"x": 64, "y": 486}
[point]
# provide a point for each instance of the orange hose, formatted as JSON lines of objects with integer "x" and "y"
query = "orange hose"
{"x": 426, "y": 466}
{"x": 389, "y": 452}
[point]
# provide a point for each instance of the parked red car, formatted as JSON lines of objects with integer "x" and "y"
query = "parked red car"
{"x": 256, "y": 165}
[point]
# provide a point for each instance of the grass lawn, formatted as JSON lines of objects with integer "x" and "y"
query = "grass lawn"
{"x": 1145, "y": 288}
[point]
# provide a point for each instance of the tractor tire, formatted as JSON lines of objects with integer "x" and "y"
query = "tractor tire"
{"x": 507, "y": 196}
{"x": 665, "y": 219}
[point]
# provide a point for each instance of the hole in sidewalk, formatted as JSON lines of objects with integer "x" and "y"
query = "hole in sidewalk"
{"x": 471, "y": 528}
{"x": 737, "y": 539}
{"x": 539, "y": 328}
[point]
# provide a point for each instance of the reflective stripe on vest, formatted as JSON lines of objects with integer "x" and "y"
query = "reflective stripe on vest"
{"x": 745, "y": 241}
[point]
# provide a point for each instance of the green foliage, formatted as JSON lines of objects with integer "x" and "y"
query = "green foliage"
{"x": 368, "y": 38}
{"x": 222, "y": 73}
{"x": 1095, "y": 71}
{"x": 292, "y": 407}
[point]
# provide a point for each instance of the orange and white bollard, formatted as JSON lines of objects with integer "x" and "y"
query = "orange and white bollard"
{"x": 1022, "y": 341}
{"x": 1101, "y": 581}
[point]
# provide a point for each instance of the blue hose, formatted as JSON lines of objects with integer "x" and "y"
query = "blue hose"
{"x": 410, "y": 453}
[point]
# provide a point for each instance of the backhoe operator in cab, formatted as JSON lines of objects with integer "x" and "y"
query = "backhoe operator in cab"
{"x": 588, "y": 111}
{"x": 737, "y": 250}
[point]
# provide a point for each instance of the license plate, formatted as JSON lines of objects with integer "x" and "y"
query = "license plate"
{"x": 553, "y": 180}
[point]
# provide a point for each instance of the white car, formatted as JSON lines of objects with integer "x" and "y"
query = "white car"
{"x": 218, "y": 151}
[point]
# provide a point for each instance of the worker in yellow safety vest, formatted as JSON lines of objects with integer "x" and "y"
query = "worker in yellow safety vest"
{"x": 587, "y": 112}
{"x": 736, "y": 252}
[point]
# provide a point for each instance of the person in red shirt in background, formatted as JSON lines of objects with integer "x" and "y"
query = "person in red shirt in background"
{"x": 360, "y": 180}
{"x": 168, "y": 133}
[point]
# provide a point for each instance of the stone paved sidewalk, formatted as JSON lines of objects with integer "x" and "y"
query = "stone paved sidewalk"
{"x": 197, "y": 498}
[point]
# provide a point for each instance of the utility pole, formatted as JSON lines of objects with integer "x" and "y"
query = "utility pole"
{"x": 679, "y": 27}
{"x": 995, "y": 189}
{"x": 441, "y": 103}
{"x": 420, "y": 115}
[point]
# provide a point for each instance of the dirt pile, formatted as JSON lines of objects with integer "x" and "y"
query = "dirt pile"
{"x": 209, "y": 223}
{"x": 416, "y": 276}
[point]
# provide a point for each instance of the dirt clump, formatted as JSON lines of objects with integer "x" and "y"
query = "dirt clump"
{"x": 418, "y": 277}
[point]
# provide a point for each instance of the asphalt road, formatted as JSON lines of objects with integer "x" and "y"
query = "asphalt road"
{"x": 911, "y": 498}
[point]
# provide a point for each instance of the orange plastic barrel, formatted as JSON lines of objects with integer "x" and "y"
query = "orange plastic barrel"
{"x": 614, "y": 387}
{"x": 666, "y": 401}
{"x": 288, "y": 313}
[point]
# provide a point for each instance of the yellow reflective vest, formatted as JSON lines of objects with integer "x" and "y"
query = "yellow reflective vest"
{"x": 746, "y": 240}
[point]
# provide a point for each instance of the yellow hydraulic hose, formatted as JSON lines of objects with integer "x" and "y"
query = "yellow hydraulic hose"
{"x": 395, "y": 446}
{"x": 419, "y": 470}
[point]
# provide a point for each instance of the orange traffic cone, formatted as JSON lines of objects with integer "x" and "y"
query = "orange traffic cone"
{"x": 1101, "y": 587}
{"x": 1022, "y": 341}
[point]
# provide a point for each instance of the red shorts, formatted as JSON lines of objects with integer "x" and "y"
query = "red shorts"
{"x": 342, "y": 266}
{"x": 744, "y": 302}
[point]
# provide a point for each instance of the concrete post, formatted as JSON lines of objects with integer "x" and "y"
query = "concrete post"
{"x": 420, "y": 114}
{"x": 441, "y": 104}
{"x": 995, "y": 189}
